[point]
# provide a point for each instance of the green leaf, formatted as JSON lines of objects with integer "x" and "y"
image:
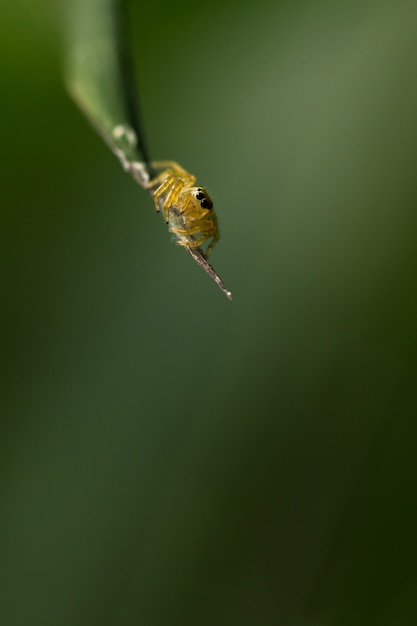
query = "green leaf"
{"x": 100, "y": 79}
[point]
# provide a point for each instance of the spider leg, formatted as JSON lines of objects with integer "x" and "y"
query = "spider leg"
{"x": 215, "y": 239}
{"x": 193, "y": 243}
{"x": 166, "y": 184}
{"x": 172, "y": 187}
{"x": 173, "y": 193}
{"x": 196, "y": 243}
{"x": 159, "y": 179}
{"x": 205, "y": 229}
{"x": 173, "y": 168}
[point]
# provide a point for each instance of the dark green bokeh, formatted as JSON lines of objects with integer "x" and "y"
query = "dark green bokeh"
{"x": 169, "y": 457}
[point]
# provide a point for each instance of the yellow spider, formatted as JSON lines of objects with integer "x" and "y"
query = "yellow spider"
{"x": 175, "y": 193}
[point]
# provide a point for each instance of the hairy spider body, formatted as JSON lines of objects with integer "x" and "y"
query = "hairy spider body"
{"x": 174, "y": 190}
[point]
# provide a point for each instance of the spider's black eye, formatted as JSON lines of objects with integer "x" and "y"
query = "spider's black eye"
{"x": 205, "y": 201}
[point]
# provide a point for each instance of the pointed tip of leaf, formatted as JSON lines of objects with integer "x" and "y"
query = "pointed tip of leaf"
{"x": 201, "y": 259}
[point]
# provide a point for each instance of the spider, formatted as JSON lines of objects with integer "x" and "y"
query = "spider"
{"x": 174, "y": 192}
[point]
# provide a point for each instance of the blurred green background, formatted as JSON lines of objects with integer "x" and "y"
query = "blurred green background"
{"x": 168, "y": 457}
